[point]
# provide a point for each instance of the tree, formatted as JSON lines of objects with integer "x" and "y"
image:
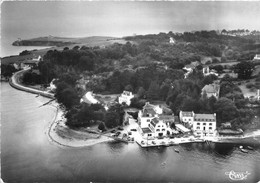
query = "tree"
{"x": 101, "y": 126}
{"x": 86, "y": 63}
{"x": 137, "y": 103}
{"x": 244, "y": 70}
{"x": 7, "y": 70}
{"x": 129, "y": 88}
{"x": 112, "y": 119}
{"x": 141, "y": 92}
{"x": 66, "y": 95}
{"x": 153, "y": 91}
{"x": 225, "y": 109}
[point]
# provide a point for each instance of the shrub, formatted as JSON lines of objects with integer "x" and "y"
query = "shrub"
{"x": 101, "y": 126}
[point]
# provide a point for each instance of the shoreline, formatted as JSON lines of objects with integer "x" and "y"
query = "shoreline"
{"x": 58, "y": 121}
{"x": 57, "y": 125}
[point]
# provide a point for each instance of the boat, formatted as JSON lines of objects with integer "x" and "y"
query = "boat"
{"x": 242, "y": 149}
{"x": 176, "y": 150}
{"x": 250, "y": 148}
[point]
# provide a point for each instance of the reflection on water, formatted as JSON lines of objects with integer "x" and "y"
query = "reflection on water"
{"x": 28, "y": 156}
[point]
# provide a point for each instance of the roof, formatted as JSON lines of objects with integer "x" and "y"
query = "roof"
{"x": 166, "y": 117}
{"x": 148, "y": 109}
{"x": 30, "y": 62}
{"x": 205, "y": 117}
{"x": 182, "y": 128}
{"x": 146, "y": 130}
{"x": 128, "y": 93}
{"x": 187, "y": 113}
{"x": 154, "y": 121}
{"x": 211, "y": 88}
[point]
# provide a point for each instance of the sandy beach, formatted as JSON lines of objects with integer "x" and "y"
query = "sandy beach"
{"x": 60, "y": 134}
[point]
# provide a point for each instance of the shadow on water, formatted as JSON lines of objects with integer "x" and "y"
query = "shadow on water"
{"x": 224, "y": 150}
{"x": 115, "y": 146}
{"x": 221, "y": 150}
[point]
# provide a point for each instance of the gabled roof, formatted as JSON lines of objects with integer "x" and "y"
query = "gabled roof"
{"x": 166, "y": 117}
{"x": 187, "y": 114}
{"x": 149, "y": 110}
{"x": 154, "y": 121}
{"x": 127, "y": 93}
{"x": 146, "y": 130}
{"x": 211, "y": 88}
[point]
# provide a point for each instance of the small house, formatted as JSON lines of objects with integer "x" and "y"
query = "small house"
{"x": 211, "y": 90}
{"x": 125, "y": 97}
{"x": 186, "y": 116}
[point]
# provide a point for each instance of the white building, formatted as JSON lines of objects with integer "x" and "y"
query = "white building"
{"x": 52, "y": 85}
{"x": 187, "y": 116}
{"x": 146, "y": 115}
{"x": 257, "y": 57}
{"x": 206, "y": 71}
{"x": 172, "y": 41}
{"x": 204, "y": 125}
{"x": 89, "y": 98}
{"x": 152, "y": 122}
{"x": 125, "y": 97}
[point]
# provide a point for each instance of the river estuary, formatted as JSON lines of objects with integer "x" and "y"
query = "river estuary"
{"x": 28, "y": 156}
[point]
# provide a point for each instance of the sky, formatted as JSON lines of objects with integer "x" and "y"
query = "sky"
{"x": 28, "y": 19}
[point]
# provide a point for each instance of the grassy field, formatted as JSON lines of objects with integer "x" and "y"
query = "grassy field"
{"x": 87, "y": 41}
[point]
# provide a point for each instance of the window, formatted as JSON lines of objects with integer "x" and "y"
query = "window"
{"x": 148, "y": 120}
{"x": 210, "y": 128}
{"x": 163, "y": 129}
{"x": 204, "y": 123}
{"x": 149, "y": 135}
{"x": 158, "y": 130}
{"x": 198, "y": 127}
{"x": 198, "y": 123}
{"x": 159, "y": 126}
{"x": 210, "y": 123}
{"x": 189, "y": 119}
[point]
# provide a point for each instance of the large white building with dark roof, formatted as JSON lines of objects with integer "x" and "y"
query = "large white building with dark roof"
{"x": 205, "y": 124}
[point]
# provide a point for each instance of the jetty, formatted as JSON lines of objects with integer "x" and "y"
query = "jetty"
{"x": 15, "y": 82}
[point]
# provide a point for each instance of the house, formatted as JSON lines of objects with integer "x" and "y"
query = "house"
{"x": 37, "y": 58}
{"x": 159, "y": 126}
{"x": 211, "y": 90}
{"x": 146, "y": 115}
{"x": 189, "y": 68}
{"x": 206, "y": 71}
{"x": 152, "y": 122}
{"x": 156, "y": 129}
{"x": 204, "y": 125}
{"x": 257, "y": 57}
{"x": 172, "y": 40}
{"x": 186, "y": 116}
{"x": 52, "y": 85}
{"x": 31, "y": 62}
{"x": 89, "y": 98}
{"x": 125, "y": 97}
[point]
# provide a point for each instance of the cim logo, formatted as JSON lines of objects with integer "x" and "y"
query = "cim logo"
{"x": 237, "y": 175}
